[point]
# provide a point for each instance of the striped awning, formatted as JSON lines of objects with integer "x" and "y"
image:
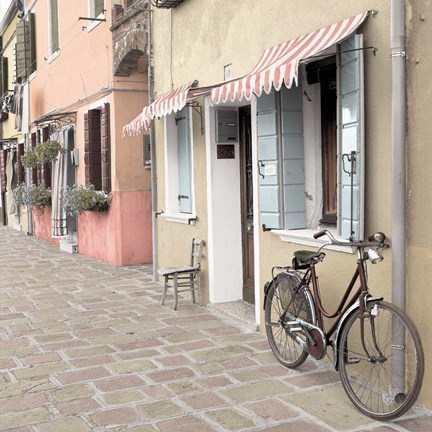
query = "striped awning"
{"x": 166, "y": 104}
{"x": 279, "y": 65}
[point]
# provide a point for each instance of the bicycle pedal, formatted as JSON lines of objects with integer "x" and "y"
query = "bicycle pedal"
{"x": 352, "y": 360}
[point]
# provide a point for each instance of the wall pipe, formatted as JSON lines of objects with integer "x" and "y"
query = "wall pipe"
{"x": 152, "y": 147}
{"x": 398, "y": 136}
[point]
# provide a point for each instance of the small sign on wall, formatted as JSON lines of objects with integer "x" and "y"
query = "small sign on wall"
{"x": 225, "y": 151}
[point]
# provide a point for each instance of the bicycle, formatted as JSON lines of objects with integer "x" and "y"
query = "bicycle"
{"x": 376, "y": 347}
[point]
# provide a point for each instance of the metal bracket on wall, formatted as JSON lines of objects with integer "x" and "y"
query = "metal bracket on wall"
{"x": 198, "y": 109}
{"x": 56, "y": 121}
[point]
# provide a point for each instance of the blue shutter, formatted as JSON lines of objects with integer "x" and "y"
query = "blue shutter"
{"x": 293, "y": 158}
{"x": 351, "y": 138}
{"x": 184, "y": 161}
{"x": 268, "y": 157}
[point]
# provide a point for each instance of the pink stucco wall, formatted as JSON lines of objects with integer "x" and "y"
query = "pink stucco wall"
{"x": 122, "y": 235}
{"x": 42, "y": 224}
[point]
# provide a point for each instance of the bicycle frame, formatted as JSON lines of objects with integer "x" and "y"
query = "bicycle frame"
{"x": 350, "y": 301}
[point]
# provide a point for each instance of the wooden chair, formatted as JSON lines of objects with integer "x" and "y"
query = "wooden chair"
{"x": 188, "y": 276}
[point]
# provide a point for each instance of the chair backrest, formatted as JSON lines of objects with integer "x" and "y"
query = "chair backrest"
{"x": 197, "y": 250}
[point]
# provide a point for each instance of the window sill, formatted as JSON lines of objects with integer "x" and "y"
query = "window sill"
{"x": 183, "y": 218}
{"x": 305, "y": 237}
{"x": 53, "y": 56}
{"x": 94, "y": 24}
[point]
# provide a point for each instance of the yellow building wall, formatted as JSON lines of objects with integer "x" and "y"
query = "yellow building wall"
{"x": 9, "y": 128}
{"x": 206, "y": 36}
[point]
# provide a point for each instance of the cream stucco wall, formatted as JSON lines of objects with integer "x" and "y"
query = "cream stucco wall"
{"x": 9, "y": 129}
{"x": 206, "y": 37}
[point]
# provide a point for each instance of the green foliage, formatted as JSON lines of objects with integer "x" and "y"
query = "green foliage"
{"x": 84, "y": 198}
{"x": 32, "y": 195}
{"x": 42, "y": 153}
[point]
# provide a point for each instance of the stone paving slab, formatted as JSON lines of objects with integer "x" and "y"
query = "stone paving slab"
{"x": 86, "y": 347}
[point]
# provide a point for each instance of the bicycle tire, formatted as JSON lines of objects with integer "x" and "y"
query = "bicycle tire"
{"x": 383, "y": 388}
{"x": 286, "y": 350}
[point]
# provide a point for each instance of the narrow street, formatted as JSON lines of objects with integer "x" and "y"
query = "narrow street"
{"x": 85, "y": 346}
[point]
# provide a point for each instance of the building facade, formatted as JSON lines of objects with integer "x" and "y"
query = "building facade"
{"x": 261, "y": 122}
{"x": 13, "y": 123}
{"x": 85, "y": 66}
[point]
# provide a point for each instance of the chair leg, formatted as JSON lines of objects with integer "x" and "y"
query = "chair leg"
{"x": 198, "y": 284}
{"x": 175, "y": 291}
{"x": 192, "y": 287}
{"x": 165, "y": 287}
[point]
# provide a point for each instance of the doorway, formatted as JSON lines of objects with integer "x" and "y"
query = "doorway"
{"x": 246, "y": 194}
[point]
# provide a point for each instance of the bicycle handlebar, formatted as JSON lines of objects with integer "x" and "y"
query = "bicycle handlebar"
{"x": 376, "y": 240}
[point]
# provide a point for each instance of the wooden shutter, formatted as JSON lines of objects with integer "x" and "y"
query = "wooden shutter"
{"x": 351, "y": 137}
{"x": 32, "y": 35}
{"x": 105, "y": 148}
{"x": 19, "y": 167}
{"x": 54, "y": 30}
{"x": 33, "y": 171}
{"x": 22, "y": 50}
{"x": 293, "y": 158}
{"x": 99, "y": 7}
{"x": 92, "y": 148}
{"x": 184, "y": 161}
{"x": 268, "y": 161}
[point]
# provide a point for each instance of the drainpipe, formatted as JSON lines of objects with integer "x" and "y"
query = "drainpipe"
{"x": 398, "y": 126}
{"x": 152, "y": 146}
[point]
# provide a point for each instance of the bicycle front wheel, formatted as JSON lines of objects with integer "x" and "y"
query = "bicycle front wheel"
{"x": 284, "y": 300}
{"x": 383, "y": 377}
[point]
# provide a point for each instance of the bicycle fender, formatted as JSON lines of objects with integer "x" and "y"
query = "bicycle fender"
{"x": 353, "y": 308}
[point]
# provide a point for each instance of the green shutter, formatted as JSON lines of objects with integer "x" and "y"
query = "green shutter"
{"x": 293, "y": 158}
{"x": 22, "y": 50}
{"x": 281, "y": 159}
{"x": 99, "y": 7}
{"x": 184, "y": 161}
{"x": 351, "y": 138}
{"x": 105, "y": 148}
{"x": 54, "y": 30}
{"x": 268, "y": 161}
{"x": 32, "y": 35}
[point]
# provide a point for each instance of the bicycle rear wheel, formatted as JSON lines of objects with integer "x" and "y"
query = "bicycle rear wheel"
{"x": 385, "y": 384}
{"x": 282, "y": 297}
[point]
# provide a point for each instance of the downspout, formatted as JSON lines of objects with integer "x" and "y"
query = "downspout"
{"x": 152, "y": 147}
{"x": 398, "y": 129}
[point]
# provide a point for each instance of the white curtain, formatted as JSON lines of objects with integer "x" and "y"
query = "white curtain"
{"x": 11, "y": 208}
{"x": 59, "y": 176}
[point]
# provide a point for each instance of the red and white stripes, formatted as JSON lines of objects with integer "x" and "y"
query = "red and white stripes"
{"x": 279, "y": 65}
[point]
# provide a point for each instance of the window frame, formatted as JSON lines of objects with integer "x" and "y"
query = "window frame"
{"x": 171, "y": 165}
{"x": 53, "y": 49}
{"x": 313, "y": 160}
{"x": 92, "y": 14}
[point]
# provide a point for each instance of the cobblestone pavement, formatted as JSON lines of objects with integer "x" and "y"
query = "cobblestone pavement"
{"x": 85, "y": 346}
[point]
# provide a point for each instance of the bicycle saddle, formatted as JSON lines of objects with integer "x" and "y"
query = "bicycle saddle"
{"x": 303, "y": 259}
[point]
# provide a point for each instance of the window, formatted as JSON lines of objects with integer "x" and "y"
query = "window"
{"x": 96, "y": 8}
{"x": 310, "y": 148}
{"x": 178, "y": 163}
{"x": 53, "y": 27}
{"x": 97, "y": 148}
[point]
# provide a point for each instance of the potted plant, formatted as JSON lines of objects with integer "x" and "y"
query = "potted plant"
{"x": 76, "y": 200}
{"x": 45, "y": 152}
{"x": 32, "y": 195}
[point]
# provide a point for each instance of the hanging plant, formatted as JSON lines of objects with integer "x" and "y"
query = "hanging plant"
{"x": 84, "y": 198}
{"x": 32, "y": 195}
{"x": 43, "y": 153}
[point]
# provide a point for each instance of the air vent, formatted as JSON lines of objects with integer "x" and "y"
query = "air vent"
{"x": 168, "y": 4}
